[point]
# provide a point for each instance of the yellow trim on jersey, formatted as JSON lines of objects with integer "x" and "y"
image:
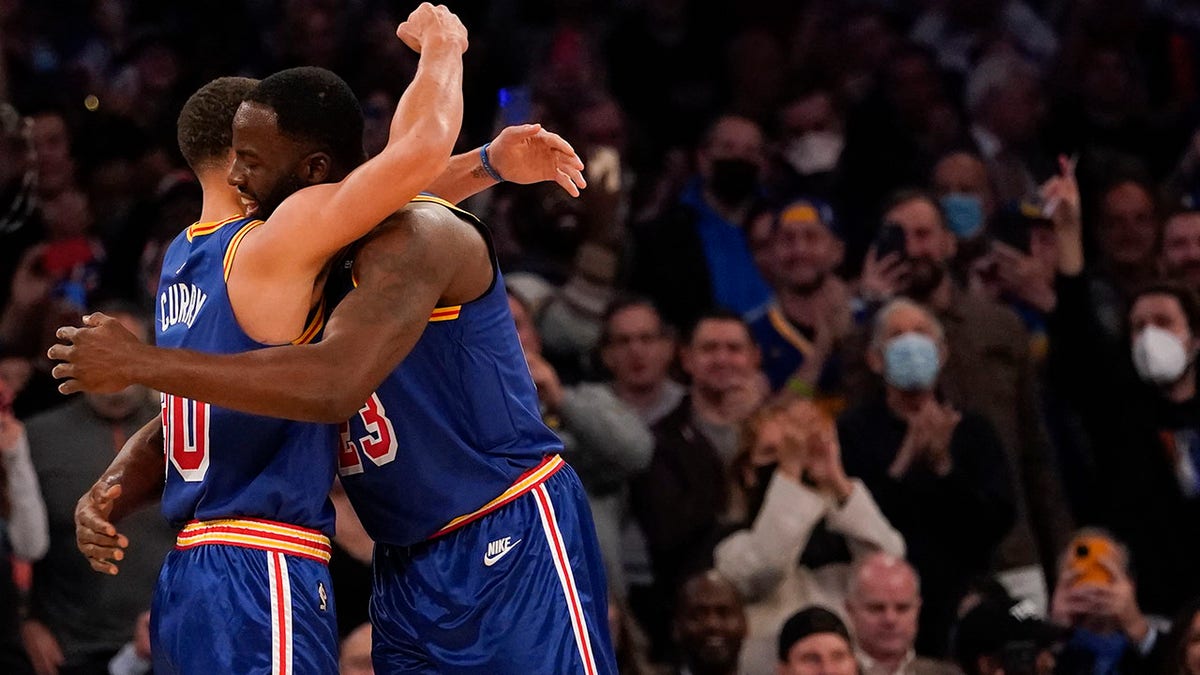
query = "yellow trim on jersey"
{"x": 235, "y": 242}
{"x": 201, "y": 229}
{"x": 314, "y": 325}
{"x": 260, "y": 534}
{"x": 438, "y": 200}
{"x": 523, "y": 485}
{"x": 788, "y": 332}
{"x": 445, "y": 313}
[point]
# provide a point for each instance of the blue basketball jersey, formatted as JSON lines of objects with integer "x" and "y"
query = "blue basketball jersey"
{"x": 452, "y": 428}
{"x": 222, "y": 463}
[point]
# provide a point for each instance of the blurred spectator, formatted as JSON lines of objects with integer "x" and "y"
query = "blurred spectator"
{"x": 695, "y": 257}
{"x": 662, "y": 56}
{"x": 1096, "y": 597}
{"x": 637, "y": 348}
{"x": 883, "y": 601}
{"x": 806, "y": 523}
{"x": 893, "y": 138}
{"x": 79, "y": 619}
{"x": 134, "y": 658}
{"x": 989, "y": 370}
{"x": 20, "y": 223}
{"x": 710, "y": 625}
{"x": 356, "y": 652}
{"x": 603, "y": 439}
{"x": 51, "y": 139}
{"x": 23, "y": 530}
{"x": 680, "y": 498}
{"x": 1182, "y": 648}
{"x": 938, "y": 473}
{"x": 963, "y": 29}
{"x": 812, "y": 128}
{"x": 1180, "y": 253}
{"x": 1000, "y": 637}
{"x": 1127, "y": 236}
{"x": 800, "y": 330}
{"x": 814, "y": 641}
{"x": 1006, "y": 107}
{"x": 964, "y": 191}
{"x": 1142, "y": 419}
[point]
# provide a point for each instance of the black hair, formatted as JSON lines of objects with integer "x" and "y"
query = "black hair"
{"x": 621, "y": 304}
{"x": 717, "y": 315}
{"x": 1184, "y": 295}
{"x": 205, "y": 126}
{"x": 313, "y": 105}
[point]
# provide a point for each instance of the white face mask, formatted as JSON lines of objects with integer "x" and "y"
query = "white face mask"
{"x": 815, "y": 152}
{"x": 1159, "y": 356}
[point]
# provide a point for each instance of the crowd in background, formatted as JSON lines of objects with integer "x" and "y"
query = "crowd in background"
{"x": 873, "y": 337}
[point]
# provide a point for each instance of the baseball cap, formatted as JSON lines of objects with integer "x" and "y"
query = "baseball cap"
{"x": 809, "y": 621}
{"x": 809, "y": 209}
{"x": 996, "y": 622}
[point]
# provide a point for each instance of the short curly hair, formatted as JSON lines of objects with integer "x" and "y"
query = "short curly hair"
{"x": 315, "y": 106}
{"x": 205, "y": 126}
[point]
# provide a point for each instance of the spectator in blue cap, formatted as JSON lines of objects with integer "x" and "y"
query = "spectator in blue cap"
{"x": 799, "y": 330}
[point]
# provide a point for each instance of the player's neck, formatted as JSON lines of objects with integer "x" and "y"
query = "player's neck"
{"x": 220, "y": 201}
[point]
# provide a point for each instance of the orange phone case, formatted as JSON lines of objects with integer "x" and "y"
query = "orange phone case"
{"x": 1086, "y": 554}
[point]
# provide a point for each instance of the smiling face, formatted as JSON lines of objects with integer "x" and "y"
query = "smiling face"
{"x": 710, "y": 624}
{"x": 268, "y": 165}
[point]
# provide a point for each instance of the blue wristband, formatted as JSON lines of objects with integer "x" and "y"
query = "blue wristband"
{"x": 487, "y": 166}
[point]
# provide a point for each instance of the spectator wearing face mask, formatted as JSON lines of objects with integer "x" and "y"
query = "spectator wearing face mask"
{"x": 938, "y": 473}
{"x": 987, "y": 368}
{"x": 1139, "y": 399}
{"x": 695, "y": 257}
{"x": 813, "y": 126}
{"x": 960, "y": 181}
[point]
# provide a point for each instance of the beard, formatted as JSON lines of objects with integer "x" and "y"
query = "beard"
{"x": 807, "y": 286}
{"x": 286, "y": 187}
{"x": 925, "y": 276}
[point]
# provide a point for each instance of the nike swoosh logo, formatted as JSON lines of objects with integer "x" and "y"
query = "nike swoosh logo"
{"x": 489, "y": 560}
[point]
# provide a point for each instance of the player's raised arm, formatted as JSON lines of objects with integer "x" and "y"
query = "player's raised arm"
{"x": 314, "y": 223}
{"x": 422, "y": 255}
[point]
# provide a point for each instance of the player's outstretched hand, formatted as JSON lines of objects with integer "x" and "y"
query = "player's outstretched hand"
{"x": 96, "y": 358}
{"x": 527, "y": 153}
{"x": 96, "y": 537}
{"x": 429, "y": 25}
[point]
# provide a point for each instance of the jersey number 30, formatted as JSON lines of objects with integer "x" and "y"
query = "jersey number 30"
{"x": 378, "y": 445}
{"x": 185, "y": 433}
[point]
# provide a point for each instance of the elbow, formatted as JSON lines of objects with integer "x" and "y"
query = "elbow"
{"x": 333, "y": 408}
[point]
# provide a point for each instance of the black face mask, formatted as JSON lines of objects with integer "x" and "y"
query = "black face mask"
{"x": 733, "y": 181}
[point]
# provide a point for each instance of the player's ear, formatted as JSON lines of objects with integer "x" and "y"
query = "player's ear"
{"x": 315, "y": 168}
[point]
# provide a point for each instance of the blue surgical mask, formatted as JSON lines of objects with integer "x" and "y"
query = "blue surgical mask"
{"x": 911, "y": 362}
{"x": 964, "y": 214}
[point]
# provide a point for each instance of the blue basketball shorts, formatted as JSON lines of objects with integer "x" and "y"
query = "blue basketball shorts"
{"x": 245, "y": 596}
{"x": 519, "y": 590}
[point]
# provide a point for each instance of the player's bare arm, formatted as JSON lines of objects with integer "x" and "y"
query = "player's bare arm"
{"x": 134, "y": 479}
{"x": 271, "y": 284}
{"x": 421, "y": 258}
{"x": 524, "y": 154}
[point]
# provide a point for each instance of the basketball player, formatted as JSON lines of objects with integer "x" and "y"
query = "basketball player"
{"x": 246, "y": 589}
{"x": 485, "y": 547}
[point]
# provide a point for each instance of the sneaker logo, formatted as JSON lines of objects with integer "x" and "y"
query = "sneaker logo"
{"x": 498, "y": 549}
